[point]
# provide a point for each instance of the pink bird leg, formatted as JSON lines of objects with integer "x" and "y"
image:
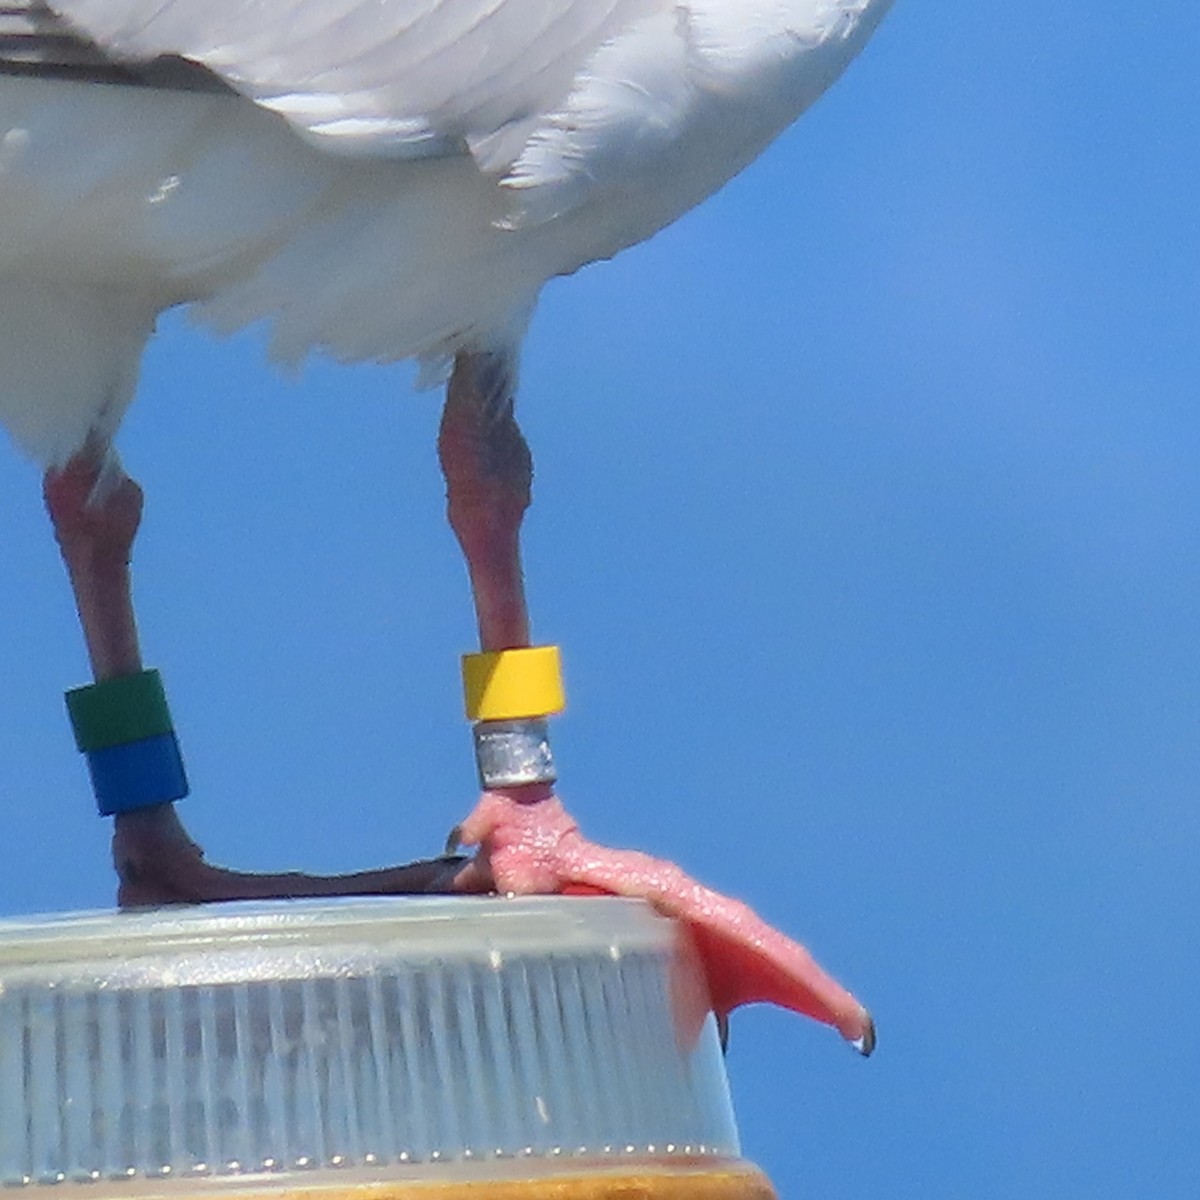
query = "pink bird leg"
{"x": 530, "y": 844}
{"x": 527, "y": 841}
{"x": 96, "y": 508}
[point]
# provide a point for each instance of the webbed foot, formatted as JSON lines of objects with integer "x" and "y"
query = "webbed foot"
{"x": 528, "y": 843}
{"x": 157, "y": 863}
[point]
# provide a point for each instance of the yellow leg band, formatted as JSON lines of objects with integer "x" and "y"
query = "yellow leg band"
{"x": 510, "y": 685}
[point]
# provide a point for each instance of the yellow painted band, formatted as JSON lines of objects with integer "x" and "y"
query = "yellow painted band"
{"x": 692, "y": 1179}
{"x": 511, "y": 685}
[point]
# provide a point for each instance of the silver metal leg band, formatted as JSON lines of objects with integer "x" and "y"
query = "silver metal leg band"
{"x": 513, "y": 753}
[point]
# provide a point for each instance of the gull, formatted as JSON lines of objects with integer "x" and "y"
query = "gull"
{"x": 368, "y": 180}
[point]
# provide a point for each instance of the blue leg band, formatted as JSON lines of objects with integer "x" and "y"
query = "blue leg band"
{"x": 137, "y": 774}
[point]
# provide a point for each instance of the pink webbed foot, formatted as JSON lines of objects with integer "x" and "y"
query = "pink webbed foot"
{"x": 531, "y": 845}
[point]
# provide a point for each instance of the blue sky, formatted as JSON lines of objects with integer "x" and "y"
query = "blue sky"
{"x": 866, "y": 513}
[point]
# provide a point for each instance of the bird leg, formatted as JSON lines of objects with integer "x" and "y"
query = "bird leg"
{"x": 489, "y": 473}
{"x": 527, "y": 841}
{"x": 95, "y": 509}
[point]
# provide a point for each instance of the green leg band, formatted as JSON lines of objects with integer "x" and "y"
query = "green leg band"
{"x": 124, "y": 728}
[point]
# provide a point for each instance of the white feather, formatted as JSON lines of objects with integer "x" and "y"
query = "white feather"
{"x": 375, "y": 76}
{"x": 497, "y": 143}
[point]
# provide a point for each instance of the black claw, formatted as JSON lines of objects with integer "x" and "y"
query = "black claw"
{"x": 723, "y": 1031}
{"x": 453, "y": 842}
{"x": 866, "y": 1044}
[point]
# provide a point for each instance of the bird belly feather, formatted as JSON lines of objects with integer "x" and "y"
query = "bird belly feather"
{"x": 118, "y": 202}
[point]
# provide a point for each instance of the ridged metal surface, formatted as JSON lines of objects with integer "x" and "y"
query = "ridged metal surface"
{"x": 342, "y": 1054}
